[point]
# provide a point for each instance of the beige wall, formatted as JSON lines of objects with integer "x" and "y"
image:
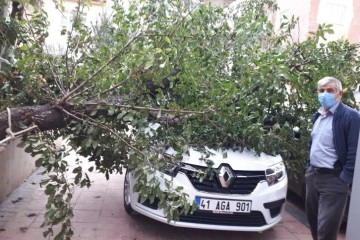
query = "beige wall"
{"x": 15, "y": 167}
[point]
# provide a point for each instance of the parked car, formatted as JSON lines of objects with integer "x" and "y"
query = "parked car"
{"x": 248, "y": 192}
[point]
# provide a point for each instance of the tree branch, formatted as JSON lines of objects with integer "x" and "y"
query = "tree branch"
{"x": 72, "y": 92}
{"x": 50, "y": 117}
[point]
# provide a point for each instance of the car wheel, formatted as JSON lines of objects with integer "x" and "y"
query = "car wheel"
{"x": 127, "y": 194}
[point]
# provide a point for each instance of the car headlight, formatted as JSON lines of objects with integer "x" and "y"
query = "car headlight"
{"x": 275, "y": 173}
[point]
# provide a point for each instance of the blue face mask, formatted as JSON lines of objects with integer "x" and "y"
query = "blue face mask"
{"x": 327, "y": 100}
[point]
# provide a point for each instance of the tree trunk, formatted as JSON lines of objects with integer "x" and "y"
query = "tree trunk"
{"x": 46, "y": 117}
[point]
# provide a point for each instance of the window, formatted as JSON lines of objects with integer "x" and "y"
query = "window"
{"x": 336, "y": 13}
{"x": 333, "y": 12}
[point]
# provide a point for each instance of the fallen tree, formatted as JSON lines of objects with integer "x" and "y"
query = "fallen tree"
{"x": 217, "y": 77}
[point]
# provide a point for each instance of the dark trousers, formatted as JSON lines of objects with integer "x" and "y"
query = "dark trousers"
{"x": 325, "y": 202}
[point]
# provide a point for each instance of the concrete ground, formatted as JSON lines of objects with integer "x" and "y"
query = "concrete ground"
{"x": 100, "y": 215}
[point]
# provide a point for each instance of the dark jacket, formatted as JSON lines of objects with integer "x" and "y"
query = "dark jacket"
{"x": 346, "y": 129}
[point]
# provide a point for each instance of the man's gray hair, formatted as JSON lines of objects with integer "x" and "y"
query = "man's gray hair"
{"x": 327, "y": 80}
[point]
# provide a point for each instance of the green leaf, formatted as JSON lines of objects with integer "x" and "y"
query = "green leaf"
{"x": 148, "y": 64}
{"x": 111, "y": 111}
{"x": 167, "y": 39}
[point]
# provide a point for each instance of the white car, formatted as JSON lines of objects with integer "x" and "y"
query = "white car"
{"x": 247, "y": 194}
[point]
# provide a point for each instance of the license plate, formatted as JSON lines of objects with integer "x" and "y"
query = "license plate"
{"x": 223, "y": 205}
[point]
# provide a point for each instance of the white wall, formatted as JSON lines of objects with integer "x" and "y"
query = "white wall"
{"x": 15, "y": 167}
{"x": 57, "y": 42}
{"x": 298, "y": 8}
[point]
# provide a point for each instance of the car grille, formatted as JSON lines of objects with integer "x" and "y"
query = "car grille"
{"x": 253, "y": 219}
{"x": 243, "y": 183}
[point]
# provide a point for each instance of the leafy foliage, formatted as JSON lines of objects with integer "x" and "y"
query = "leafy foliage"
{"x": 217, "y": 77}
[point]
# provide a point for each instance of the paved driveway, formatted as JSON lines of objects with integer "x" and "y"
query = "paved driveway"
{"x": 99, "y": 214}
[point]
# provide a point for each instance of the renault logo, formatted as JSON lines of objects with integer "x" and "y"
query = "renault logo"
{"x": 225, "y": 176}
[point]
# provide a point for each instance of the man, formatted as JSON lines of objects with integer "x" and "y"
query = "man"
{"x": 330, "y": 169}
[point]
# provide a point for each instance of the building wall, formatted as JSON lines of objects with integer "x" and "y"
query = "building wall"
{"x": 15, "y": 167}
{"x": 339, "y": 13}
{"x": 354, "y": 34}
{"x": 56, "y": 42}
{"x": 344, "y": 15}
{"x": 57, "y": 20}
{"x": 298, "y": 8}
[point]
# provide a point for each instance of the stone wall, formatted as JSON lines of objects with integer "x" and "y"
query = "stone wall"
{"x": 15, "y": 166}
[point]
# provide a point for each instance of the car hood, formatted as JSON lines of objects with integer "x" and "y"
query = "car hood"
{"x": 238, "y": 160}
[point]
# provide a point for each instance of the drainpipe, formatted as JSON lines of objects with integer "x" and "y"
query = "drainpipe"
{"x": 352, "y": 229}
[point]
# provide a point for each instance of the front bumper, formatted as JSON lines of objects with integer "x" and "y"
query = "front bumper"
{"x": 268, "y": 204}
